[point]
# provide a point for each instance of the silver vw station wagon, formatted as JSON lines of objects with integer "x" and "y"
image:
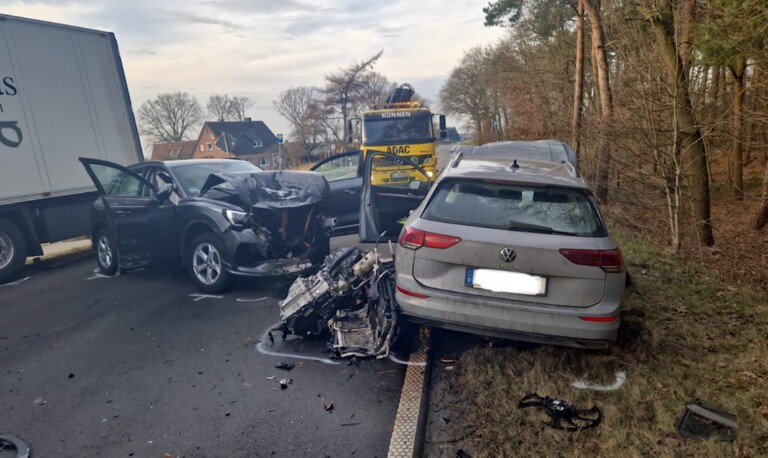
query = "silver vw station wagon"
{"x": 511, "y": 248}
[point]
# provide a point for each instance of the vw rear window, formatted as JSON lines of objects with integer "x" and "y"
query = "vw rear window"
{"x": 515, "y": 207}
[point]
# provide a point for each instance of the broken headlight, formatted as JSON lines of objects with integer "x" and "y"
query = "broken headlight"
{"x": 235, "y": 218}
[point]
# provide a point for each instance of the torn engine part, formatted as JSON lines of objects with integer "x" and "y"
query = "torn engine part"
{"x": 702, "y": 421}
{"x": 352, "y": 296}
{"x": 561, "y": 411}
{"x": 13, "y": 443}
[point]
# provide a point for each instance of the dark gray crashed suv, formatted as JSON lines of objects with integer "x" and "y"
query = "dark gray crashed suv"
{"x": 217, "y": 218}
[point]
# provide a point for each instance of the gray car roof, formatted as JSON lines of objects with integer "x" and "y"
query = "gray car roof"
{"x": 538, "y": 150}
{"x": 500, "y": 168}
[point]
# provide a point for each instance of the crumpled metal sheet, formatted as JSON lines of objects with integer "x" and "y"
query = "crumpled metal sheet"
{"x": 273, "y": 189}
{"x": 352, "y": 297}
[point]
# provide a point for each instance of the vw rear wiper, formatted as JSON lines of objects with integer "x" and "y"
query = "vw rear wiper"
{"x": 520, "y": 226}
{"x": 527, "y": 227}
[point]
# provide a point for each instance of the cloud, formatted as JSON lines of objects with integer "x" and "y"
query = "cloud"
{"x": 259, "y": 48}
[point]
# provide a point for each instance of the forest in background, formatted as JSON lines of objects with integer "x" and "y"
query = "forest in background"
{"x": 665, "y": 102}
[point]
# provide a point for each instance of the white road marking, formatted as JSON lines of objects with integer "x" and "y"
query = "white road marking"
{"x": 200, "y": 297}
{"x": 17, "y": 282}
{"x": 621, "y": 377}
{"x": 252, "y": 300}
{"x": 397, "y": 360}
{"x": 261, "y": 347}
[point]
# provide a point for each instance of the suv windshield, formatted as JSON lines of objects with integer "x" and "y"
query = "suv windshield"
{"x": 192, "y": 177}
{"x": 515, "y": 207}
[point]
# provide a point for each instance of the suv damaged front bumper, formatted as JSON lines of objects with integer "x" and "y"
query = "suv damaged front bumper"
{"x": 352, "y": 297}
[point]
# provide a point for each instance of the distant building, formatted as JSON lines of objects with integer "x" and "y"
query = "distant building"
{"x": 171, "y": 151}
{"x": 249, "y": 140}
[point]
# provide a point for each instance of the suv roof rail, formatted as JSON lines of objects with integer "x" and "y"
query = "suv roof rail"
{"x": 457, "y": 159}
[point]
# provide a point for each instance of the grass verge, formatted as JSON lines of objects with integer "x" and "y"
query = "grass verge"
{"x": 686, "y": 334}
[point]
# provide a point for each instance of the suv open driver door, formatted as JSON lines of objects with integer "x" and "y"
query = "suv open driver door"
{"x": 135, "y": 226}
{"x": 385, "y": 205}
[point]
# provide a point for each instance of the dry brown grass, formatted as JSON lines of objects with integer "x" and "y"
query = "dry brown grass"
{"x": 687, "y": 333}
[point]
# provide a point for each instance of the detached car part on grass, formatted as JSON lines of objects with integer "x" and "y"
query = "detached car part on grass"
{"x": 352, "y": 297}
{"x": 561, "y": 411}
{"x": 705, "y": 422}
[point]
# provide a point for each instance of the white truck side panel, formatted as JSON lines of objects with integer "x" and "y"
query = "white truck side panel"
{"x": 70, "y": 100}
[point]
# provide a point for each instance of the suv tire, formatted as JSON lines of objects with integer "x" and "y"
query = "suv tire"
{"x": 106, "y": 252}
{"x": 205, "y": 265}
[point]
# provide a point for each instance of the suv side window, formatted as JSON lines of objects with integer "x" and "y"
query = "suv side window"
{"x": 343, "y": 167}
{"x": 119, "y": 183}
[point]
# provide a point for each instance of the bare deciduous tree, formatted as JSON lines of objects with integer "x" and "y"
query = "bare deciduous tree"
{"x": 240, "y": 106}
{"x": 220, "y": 107}
{"x": 170, "y": 117}
{"x": 342, "y": 87}
{"x": 301, "y": 107}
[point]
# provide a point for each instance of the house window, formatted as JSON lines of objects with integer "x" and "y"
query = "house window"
{"x": 257, "y": 143}
{"x": 264, "y": 160}
{"x": 202, "y": 148}
{"x": 210, "y": 147}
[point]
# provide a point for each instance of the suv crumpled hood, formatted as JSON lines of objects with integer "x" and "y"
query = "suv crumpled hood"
{"x": 273, "y": 189}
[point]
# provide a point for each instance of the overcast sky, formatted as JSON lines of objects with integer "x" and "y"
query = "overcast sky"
{"x": 258, "y": 48}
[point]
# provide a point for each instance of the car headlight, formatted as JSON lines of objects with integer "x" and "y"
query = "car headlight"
{"x": 430, "y": 173}
{"x": 235, "y": 217}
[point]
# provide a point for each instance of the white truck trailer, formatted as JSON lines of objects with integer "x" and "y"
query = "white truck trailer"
{"x": 63, "y": 95}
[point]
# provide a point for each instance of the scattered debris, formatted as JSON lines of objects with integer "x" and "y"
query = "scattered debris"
{"x": 563, "y": 411}
{"x": 71, "y": 375}
{"x": 285, "y": 366}
{"x": 8, "y": 442}
{"x": 285, "y": 382}
{"x": 353, "y": 297}
{"x": 349, "y": 424}
{"x": 460, "y": 453}
{"x": 271, "y": 377}
{"x": 353, "y": 362}
{"x": 449, "y": 368}
{"x": 447, "y": 360}
{"x": 621, "y": 377}
{"x": 328, "y": 407}
{"x": 702, "y": 421}
{"x": 39, "y": 401}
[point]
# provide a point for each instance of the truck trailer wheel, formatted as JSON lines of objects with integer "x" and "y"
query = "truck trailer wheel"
{"x": 13, "y": 250}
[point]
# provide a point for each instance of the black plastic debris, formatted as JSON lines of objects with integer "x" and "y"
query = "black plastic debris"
{"x": 561, "y": 411}
{"x": 702, "y": 421}
{"x": 285, "y": 382}
{"x": 352, "y": 297}
{"x": 284, "y": 366}
{"x": 13, "y": 443}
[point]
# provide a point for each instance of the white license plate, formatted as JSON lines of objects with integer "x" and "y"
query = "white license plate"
{"x": 398, "y": 175}
{"x": 500, "y": 281}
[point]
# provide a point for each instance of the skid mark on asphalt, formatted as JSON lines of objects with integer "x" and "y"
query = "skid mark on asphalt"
{"x": 16, "y": 283}
{"x": 200, "y": 297}
{"x": 263, "y": 348}
{"x": 252, "y": 300}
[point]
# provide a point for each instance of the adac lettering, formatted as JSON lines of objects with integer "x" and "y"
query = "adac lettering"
{"x": 10, "y": 133}
{"x": 399, "y": 149}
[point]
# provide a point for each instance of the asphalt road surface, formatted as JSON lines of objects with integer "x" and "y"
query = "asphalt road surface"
{"x": 142, "y": 365}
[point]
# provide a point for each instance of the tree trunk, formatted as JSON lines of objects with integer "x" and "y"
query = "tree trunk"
{"x": 761, "y": 219}
{"x": 578, "y": 84}
{"x": 661, "y": 17}
{"x": 737, "y": 159}
{"x": 600, "y": 56}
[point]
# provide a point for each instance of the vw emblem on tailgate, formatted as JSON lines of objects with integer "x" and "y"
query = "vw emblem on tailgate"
{"x": 507, "y": 254}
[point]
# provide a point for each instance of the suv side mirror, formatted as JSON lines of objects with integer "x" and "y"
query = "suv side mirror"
{"x": 164, "y": 192}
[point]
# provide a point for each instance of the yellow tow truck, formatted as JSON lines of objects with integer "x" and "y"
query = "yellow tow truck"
{"x": 403, "y": 127}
